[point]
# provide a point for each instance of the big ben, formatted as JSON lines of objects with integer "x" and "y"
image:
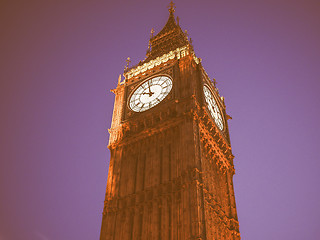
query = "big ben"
{"x": 171, "y": 165}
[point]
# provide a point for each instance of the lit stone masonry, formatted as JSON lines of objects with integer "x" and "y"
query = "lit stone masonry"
{"x": 171, "y": 164}
{"x": 178, "y": 53}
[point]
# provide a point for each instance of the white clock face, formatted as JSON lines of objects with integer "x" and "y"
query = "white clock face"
{"x": 150, "y": 93}
{"x": 213, "y": 107}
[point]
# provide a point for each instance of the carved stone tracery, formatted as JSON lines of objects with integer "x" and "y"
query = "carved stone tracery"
{"x": 171, "y": 167}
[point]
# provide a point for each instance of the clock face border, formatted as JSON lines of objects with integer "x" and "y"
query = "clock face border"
{"x": 135, "y": 88}
{"x": 218, "y": 105}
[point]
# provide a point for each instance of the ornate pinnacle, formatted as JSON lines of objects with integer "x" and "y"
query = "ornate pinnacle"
{"x": 128, "y": 62}
{"x": 186, "y": 34}
{"x": 171, "y": 7}
{"x": 214, "y": 82}
{"x": 119, "y": 79}
{"x": 151, "y": 33}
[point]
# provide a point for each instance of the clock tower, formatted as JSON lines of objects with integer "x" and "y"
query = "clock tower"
{"x": 171, "y": 164}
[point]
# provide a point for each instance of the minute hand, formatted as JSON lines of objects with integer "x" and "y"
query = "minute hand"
{"x": 150, "y": 93}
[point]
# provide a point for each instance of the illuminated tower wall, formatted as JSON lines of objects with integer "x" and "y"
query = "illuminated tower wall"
{"x": 171, "y": 165}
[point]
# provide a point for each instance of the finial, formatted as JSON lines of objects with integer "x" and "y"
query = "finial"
{"x": 151, "y": 36}
{"x": 186, "y": 33}
{"x": 171, "y": 7}
{"x": 128, "y": 62}
{"x": 149, "y": 47}
{"x": 214, "y": 82}
{"x": 119, "y": 79}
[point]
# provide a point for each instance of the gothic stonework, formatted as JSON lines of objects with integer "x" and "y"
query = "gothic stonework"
{"x": 171, "y": 165}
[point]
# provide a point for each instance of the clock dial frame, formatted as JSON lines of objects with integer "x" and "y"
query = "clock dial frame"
{"x": 150, "y": 93}
{"x": 213, "y": 107}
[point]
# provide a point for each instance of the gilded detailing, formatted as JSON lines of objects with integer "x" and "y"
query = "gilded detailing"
{"x": 175, "y": 54}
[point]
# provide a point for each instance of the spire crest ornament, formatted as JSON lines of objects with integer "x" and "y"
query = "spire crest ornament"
{"x": 171, "y": 7}
{"x": 128, "y": 62}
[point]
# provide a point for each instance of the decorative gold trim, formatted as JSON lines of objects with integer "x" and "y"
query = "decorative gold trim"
{"x": 178, "y": 53}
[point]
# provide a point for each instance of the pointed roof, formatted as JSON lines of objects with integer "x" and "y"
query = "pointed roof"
{"x": 170, "y": 25}
{"x": 169, "y": 38}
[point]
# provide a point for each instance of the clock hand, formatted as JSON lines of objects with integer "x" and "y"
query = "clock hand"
{"x": 150, "y": 93}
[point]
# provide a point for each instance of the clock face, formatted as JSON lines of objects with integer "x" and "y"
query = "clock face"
{"x": 213, "y": 107}
{"x": 150, "y": 93}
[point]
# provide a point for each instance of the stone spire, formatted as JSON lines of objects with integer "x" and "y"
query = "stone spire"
{"x": 169, "y": 38}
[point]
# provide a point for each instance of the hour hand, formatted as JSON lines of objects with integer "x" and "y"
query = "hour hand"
{"x": 149, "y": 93}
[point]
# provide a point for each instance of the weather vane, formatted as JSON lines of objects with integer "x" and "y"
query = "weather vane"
{"x": 171, "y": 7}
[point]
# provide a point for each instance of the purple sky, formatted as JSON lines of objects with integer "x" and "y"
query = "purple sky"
{"x": 59, "y": 59}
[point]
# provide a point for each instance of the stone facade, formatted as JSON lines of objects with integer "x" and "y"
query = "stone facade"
{"x": 171, "y": 167}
